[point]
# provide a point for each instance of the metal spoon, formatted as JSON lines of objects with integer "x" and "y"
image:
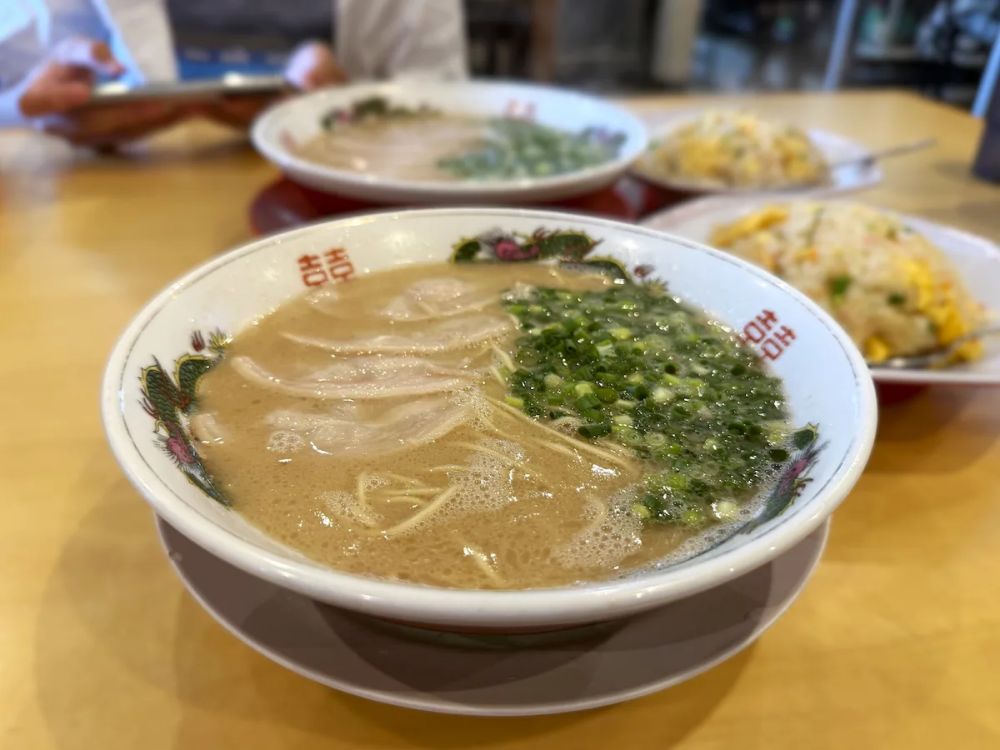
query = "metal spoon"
{"x": 870, "y": 158}
{"x": 934, "y": 357}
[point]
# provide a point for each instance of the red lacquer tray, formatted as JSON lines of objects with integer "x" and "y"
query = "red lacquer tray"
{"x": 284, "y": 204}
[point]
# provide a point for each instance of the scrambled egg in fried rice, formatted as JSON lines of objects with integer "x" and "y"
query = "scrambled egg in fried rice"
{"x": 739, "y": 149}
{"x": 892, "y": 290}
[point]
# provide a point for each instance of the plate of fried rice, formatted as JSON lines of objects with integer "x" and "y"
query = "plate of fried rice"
{"x": 899, "y": 285}
{"x": 737, "y": 151}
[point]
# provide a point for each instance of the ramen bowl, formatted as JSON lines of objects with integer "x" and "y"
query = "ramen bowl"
{"x": 152, "y": 376}
{"x": 281, "y": 131}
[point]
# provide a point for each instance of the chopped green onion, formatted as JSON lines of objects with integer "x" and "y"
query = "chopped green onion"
{"x": 662, "y": 395}
{"x": 637, "y": 368}
{"x": 838, "y": 287}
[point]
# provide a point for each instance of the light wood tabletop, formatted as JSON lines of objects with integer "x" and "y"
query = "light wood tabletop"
{"x": 894, "y": 644}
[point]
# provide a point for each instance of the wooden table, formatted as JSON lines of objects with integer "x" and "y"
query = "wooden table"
{"x": 895, "y": 643}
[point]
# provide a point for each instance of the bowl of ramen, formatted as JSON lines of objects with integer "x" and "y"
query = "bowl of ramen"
{"x": 900, "y": 285}
{"x": 736, "y": 151}
{"x": 488, "y": 418}
{"x": 423, "y": 142}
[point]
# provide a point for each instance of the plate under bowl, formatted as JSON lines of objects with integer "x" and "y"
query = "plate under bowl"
{"x": 491, "y": 676}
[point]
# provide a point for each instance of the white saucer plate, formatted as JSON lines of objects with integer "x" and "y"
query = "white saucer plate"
{"x": 835, "y": 148}
{"x": 976, "y": 258}
{"x": 521, "y": 675}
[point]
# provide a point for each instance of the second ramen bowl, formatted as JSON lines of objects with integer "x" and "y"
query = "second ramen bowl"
{"x": 282, "y": 130}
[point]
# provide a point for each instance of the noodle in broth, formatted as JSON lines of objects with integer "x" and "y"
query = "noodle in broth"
{"x": 372, "y": 426}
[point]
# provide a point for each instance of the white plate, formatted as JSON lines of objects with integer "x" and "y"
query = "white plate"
{"x": 976, "y": 258}
{"x": 835, "y": 148}
{"x": 298, "y": 119}
{"x": 494, "y": 676}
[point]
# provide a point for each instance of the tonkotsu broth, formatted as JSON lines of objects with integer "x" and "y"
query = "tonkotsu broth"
{"x": 376, "y": 138}
{"x": 408, "y": 148}
{"x": 441, "y": 483}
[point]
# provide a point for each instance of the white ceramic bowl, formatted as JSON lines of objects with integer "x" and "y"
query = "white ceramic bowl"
{"x": 298, "y": 119}
{"x": 835, "y": 148}
{"x": 827, "y": 383}
{"x": 976, "y": 258}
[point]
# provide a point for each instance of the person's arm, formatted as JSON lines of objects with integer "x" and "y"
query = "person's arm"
{"x": 401, "y": 38}
{"x": 20, "y": 49}
{"x": 54, "y": 94}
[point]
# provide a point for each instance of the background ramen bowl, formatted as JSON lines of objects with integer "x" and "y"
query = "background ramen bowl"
{"x": 278, "y": 131}
{"x": 160, "y": 353}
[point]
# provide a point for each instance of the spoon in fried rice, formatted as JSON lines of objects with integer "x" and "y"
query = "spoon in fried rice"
{"x": 934, "y": 358}
{"x": 872, "y": 157}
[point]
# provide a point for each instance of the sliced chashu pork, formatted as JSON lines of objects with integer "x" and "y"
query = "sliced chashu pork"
{"x": 436, "y": 298}
{"x": 437, "y": 336}
{"x": 344, "y": 431}
{"x": 362, "y": 378}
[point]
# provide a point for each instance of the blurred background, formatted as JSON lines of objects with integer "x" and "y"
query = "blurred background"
{"x": 939, "y": 48}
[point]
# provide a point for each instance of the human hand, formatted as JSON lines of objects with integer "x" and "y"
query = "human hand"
{"x": 311, "y": 66}
{"x": 63, "y": 80}
{"x": 54, "y": 95}
{"x": 235, "y": 111}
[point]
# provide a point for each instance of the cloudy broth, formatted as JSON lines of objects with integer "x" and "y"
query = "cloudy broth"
{"x": 368, "y": 425}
